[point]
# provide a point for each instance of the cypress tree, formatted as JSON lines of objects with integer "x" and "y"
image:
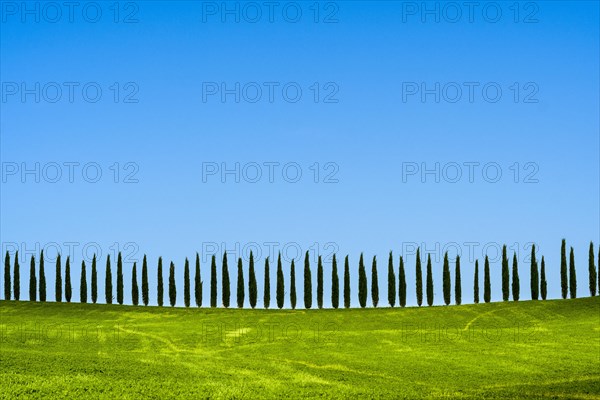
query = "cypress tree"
{"x": 293, "y": 297}
{"x": 108, "y": 296}
{"x": 362, "y": 283}
{"x": 429, "y": 282}
{"x": 68, "y": 289}
{"x": 534, "y": 276}
{"x": 544, "y": 284}
{"x": 267, "y": 289}
{"x": 135, "y": 291}
{"x": 160, "y": 287}
{"x": 320, "y": 283}
{"x": 94, "y": 280}
{"x": 419, "y": 279}
{"x": 213, "y": 282}
{"x": 186, "y": 283}
{"x": 391, "y": 282}
{"x": 7, "y": 282}
{"x": 42, "y": 278}
{"x": 172, "y": 287}
{"x": 240, "y": 284}
{"x": 145, "y": 294}
{"x": 280, "y": 295}
{"x": 505, "y": 275}
{"x": 476, "y": 283}
{"x": 335, "y": 285}
{"x": 198, "y": 283}
{"x": 592, "y": 271}
{"x": 402, "y": 284}
{"x": 487, "y": 287}
{"x": 226, "y": 290}
{"x": 572, "y": 276}
{"x": 564, "y": 279}
{"x": 307, "y": 283}
{"x": 119, "y": 279}
{"x": 597, "y": 273}
{"x": 17, "y": 278}
{"x": 58, "y": 280}
{"x": 32, "y": 280}
{"x": 516, "y": 285}
{"x": 252, "y": 287}
{"x": 446, "y": 282}
{"x": 346, "y": 283}
{"x": 83, "y": 284}
{"x": 374, "y": 283}
{"x": 457, "y": 283}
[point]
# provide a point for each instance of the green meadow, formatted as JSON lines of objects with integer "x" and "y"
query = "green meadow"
{"x": 529, "y": 349}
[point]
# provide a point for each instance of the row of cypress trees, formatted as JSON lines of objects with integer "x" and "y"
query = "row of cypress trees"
{"x": 538, "y": 283}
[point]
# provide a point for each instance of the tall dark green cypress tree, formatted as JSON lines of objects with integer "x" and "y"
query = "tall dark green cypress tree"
{"x": 592, "y": 270}
{"x": 240, "y": 284}
{"x": 429, "y": 281}
{"x": 476, "y": 283}
{"x": 457, "y": 283}
{"x": 226, "y": 289}
{"x": 94, "y": 280}
{"x": 446, "y": 282}
{"x": 543, "y": 283}
{"x": 160, "y": 287}
{"x": 335, "y": 284}
{"x": 186, "y": 283}
{"x": 516, "y": 285}
{"x": 267, "y": 285}
{"x": 320, "y": 283}
{"x": 572, "y": 276}
{"x": 135, "y": 291}
{"x": 198, "y": 283}
{"x": 68, "y": 288}
{"x": 505, "y": 276}
{"x": 419, "y": 279}
{"x": 293, "y": 296}
{"x": 213, "y": 281}
{"x": 58, "y": 280}
{"x": 564, "y": 278}
{"x": 362, "y": 283}
{"x": 402, "y": 284}
{"x": 172, "y": 287}
{"x": 17, "y": 278}
{"x": 42, "y": 278}
{"x": 346, "y": 283}
{"x": 391, "y": 282}
{"x": 487, "y": 286}
{"x": 7, "y": 282}
{"x": 83, "y": 284}
{"x": 32, "y": 280}
{"x": 108, "y": 295}
{"x": 252, "y": 286}
{"x": 374, "y": 283}
{"x": 307, "y": 283}
{"x": 119, "y": 279}
{"x": 145, "y": 290}
{"x": 280, "y": 295}
{"x": 534, "y": 276}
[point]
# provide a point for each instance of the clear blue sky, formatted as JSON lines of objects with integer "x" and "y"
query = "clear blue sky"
{"x": 367, "y": 59}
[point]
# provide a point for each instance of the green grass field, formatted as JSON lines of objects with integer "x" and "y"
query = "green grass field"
{"x": 548, "y": 349}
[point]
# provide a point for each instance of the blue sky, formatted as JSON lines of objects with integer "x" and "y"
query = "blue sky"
{"x": 159, "y": 126}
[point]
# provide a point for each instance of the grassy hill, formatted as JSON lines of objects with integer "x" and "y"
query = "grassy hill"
{"x": 547, "y": 349}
